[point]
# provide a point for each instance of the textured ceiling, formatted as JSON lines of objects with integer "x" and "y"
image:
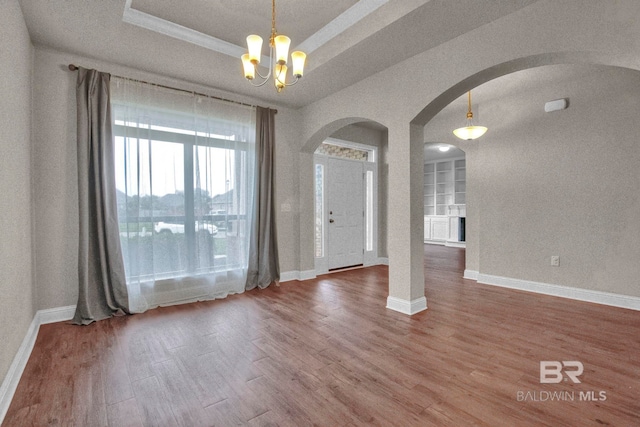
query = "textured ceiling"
{"x": 348, "y": 40}
{"x": 520, "y": 96}
{"x": 298, "y": 19}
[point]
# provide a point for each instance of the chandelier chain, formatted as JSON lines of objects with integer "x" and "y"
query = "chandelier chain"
{"x": 273, "y": 21}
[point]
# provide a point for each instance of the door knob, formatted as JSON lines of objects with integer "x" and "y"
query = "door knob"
{"x": 331, "y": 221}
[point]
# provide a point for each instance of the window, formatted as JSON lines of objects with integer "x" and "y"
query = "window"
{"x": 319, "y": 211}
{"x": 369, "y": 211}
{"x": 184, "y": 168}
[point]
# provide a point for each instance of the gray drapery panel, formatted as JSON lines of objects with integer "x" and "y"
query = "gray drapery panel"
{"x": 101, "y": 276}
{"x": 264, "y": 266}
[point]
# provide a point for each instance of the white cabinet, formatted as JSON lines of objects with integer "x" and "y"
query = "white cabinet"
{"x": 444, "y": 201}
{"x": 439, "y": 229}
{"x": 427, "y": 228}
{"x": 436, "y": 229}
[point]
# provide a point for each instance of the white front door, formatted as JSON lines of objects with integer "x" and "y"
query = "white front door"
{"x": 344, "y": 213}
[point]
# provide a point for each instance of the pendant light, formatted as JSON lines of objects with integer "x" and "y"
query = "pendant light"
{"x": 470, "y": 131}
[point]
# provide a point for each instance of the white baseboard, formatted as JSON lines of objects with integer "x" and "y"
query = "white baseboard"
{"x": 579, "y": 294}
{"x": 289, "y": 276}
{"x": 405, "y": 306}
{"x": 307, "y": 275}
{"x": 53, "y": 315}
{"x": 455, "y": 244}
{"x": 11, "y": 380}
{"x": 470, "y": 274}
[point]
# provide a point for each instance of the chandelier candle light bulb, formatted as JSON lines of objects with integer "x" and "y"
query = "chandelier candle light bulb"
{"x": 277, "y": 60}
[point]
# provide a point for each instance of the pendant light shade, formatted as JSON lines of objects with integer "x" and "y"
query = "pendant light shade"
{"x": 298, "y": 58}
{"x": 254, "y": 44}
{"x": 282, "y": 48}
{"x": 249, "y": 68}
{"x": 470, "y": 131}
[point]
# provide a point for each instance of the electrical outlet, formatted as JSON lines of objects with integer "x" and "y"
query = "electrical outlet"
{"x": 555, "y": 261}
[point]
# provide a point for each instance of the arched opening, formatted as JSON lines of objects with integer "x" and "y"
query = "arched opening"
{"x": 502, "y": 69}
{"x": 315, "y": 250}
{"x": 543, "y": 184}
{"x": 335, "y": 127}
{"x": 406, "y": 281}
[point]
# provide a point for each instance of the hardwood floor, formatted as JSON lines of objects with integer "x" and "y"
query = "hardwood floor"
{"x": 328, "y": 352}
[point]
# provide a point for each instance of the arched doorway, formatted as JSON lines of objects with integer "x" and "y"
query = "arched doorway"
{"x": 357, "y": 151}
{"x": 406, "y": 283}
{"x": 555, "y": 184}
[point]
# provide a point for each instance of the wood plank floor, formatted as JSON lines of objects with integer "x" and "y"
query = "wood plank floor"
{"x": 328, "y": 352}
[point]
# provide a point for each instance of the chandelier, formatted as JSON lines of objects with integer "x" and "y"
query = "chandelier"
{"x": 470, "y": 131}
{"x": 278, "y": 63}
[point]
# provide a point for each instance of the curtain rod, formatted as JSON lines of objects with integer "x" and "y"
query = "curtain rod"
{"x": 73, "y": 67}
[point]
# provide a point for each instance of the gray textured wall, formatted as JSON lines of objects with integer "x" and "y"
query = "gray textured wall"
{"x": 561, "y": 183}
{"x": 16, "y": 284}
{"x": 55, "y": 187}
{"x": 564, "y": 183}
{"x": 288, "y": 188}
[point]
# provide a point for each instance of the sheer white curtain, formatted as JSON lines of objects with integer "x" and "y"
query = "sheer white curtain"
{"x": 184, "y": 179}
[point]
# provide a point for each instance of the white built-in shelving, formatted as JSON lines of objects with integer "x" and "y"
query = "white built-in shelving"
{"x": 444, "y": 200}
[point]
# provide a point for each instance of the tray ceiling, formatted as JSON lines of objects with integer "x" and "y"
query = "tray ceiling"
{"x": 200, "y": 41}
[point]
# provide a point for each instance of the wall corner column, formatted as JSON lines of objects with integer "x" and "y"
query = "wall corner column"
{"x": 307, "y": 218}
{"x": 406, "y": 220}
